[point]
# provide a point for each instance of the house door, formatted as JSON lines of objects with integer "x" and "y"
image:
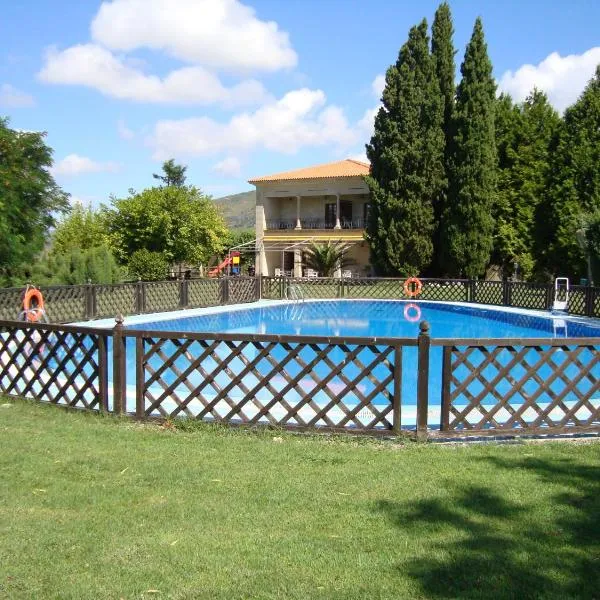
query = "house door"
{"x": 345, "y": 214}
{"x": 288, "y": 261}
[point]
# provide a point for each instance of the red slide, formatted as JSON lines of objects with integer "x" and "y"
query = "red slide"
{"x": 215, "y": 271}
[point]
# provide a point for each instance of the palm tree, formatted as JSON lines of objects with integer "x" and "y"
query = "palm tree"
{"x": 327, "y": 258}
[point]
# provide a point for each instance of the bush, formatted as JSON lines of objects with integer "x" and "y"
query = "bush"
{"x": 148, "y": 266}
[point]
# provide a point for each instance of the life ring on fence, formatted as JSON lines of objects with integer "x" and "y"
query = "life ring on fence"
{"x": 412, "y": 287}
{"x": 415, "y": 315}
{"x": 33, "y": 305}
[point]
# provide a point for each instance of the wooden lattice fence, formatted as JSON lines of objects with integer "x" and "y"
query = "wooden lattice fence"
{"x": 296, "y": 381}
{"x": 510, "y": 386}
{"x": 55, "y": 363}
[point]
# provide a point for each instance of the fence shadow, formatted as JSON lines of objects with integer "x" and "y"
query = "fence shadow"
{"x": 478, "y": 544}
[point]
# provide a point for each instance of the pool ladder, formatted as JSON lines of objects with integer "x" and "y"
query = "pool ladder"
{"x": 294, "y": 292}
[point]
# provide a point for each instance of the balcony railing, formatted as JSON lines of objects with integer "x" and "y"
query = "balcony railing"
{"x": 358, "y": 223}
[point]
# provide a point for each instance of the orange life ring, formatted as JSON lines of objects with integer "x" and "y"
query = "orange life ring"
{"x": 412, "y": 287}
{"x": 33, "y": 305}
{"x": 415, "y": 316}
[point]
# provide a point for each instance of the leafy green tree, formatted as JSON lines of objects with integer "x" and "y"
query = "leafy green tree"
{"x": 524, "y": 136}
{"x": 327, "y": 258}
{"x": 574, "y": 190}
{"x": 76, "y": 266}
{"x": 82, "y": 228}
{"x": 442, "y": 50}
{"x": 407, "y": 162}
{"x": 148, "y": 266}
{"x": 29, "y": 200}
{"x": 173, "y": 174}
{"x": 180, "y": 223}
{"x": 468, "y": 224}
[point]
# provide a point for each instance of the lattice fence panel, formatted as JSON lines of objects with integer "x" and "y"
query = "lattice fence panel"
{"x": 446, "y": 291}
{"x": 112, "y": 300}
{"x": 382, "y": 289}
{"x": 51, "y": 366}
{"x": 488, "y": 292}
{"x": 577, "y": 300}
{"x": 242, "y": 290}
{"x": 531, "y": 295}
{"x": 279, "y": 383}
{"x": 313, "y": 288}
{"x": 159, "y": 296}
{"x": 204, "y": 292}
{"x": 65, "y": 303}
{"x": 10, "y": 303}
{"x": 271, "y": 288}
{"x": 522, "y": 387}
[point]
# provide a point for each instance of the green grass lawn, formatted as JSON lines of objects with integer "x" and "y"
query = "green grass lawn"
{"x": 96, "y": 507}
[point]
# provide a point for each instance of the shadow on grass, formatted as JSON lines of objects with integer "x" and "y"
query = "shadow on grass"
{"x": 476, "y": 543}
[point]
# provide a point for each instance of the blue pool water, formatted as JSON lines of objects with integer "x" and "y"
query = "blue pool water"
{"x": 379, "y": 318}
{"x": 349, "y": 318}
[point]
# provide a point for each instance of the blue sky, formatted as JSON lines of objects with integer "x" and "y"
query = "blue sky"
{"x": 236, "y": 90}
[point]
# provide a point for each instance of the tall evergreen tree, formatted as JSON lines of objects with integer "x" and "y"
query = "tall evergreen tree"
{"x": 575, "y": 186}
{"x": 407, "y": 168}
{"x": 173, "y": 174}
{"x": 442, "y": 50}
{"x": 467, "y": 224}
{"x": 523, "y": 140}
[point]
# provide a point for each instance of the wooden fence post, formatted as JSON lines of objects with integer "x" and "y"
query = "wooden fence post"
{"x": 473, "y": 290}
{"x": 103, "y": 371}
{"x": 183, "y": 293}
{"x": 224, "y": 290}
{"x": 119, "y": 367}
{"x": 589, "y": 301}
{"x": 424, "y": 341}
{"x": 139, "y": 297}
{"x": 506, "y": 292}
{"x": 397, "y": 398}
{"x": 90, "y": 300}
{"x": 446, "y": 377}
{"x": 258, "y": 288}
{"x": 549, "y": 296}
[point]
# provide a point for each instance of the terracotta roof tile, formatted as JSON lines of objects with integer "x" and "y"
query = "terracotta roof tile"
{"x": 332, "y": 170}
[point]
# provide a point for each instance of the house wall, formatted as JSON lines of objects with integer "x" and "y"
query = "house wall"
{"x": 277, "y": 201}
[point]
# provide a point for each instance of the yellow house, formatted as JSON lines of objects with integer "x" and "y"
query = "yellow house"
{"x": 314, "y": 204}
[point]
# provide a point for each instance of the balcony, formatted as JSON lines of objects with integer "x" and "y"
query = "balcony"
{"x": 358, "y": 223}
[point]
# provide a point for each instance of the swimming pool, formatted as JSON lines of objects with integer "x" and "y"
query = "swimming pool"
{"x": 229, "y": 372}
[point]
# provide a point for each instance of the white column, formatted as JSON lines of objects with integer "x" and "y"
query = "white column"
{"x": 297, "y": 263}
{"x": 337, "y": 212}
{"x": 298, "y": 223}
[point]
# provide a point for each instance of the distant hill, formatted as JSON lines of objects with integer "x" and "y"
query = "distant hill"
{"x": 239, "y": 210}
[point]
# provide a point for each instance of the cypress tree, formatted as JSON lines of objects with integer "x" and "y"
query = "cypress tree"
{"x": 407, "y": 168}
{"x": 442, "y": 50}
{"x": 468, "y": 224}
{"x": 574, "y": 192}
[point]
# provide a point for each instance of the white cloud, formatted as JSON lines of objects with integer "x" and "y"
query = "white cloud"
{"x": 73, "y": 165}
{"x": 11, "y": 97}
{"x": 561, "y": 78}
{"x": 223, "y": 34}
{"x": 298, "y": 119}
{"x": 124, "y": 132}
{"x": 229, "y": 167}
{"x": 95, "y": 67}
{"x": 378, "y": 86}
{"x": 366, "y": 125}
{"x": 361, "y": 157}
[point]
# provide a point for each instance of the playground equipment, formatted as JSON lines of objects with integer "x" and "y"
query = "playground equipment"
{"x": 232, "y": 261}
